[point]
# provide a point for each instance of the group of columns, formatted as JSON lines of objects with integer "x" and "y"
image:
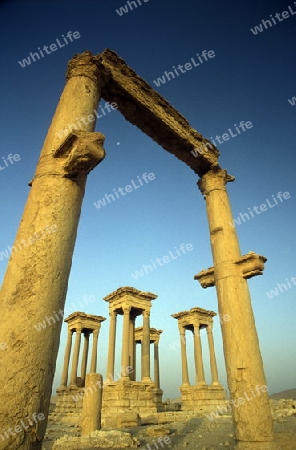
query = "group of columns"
{"x": 86, "y": 324}
{"x": 130, "y": 303}
{"x": 194, "y": 320}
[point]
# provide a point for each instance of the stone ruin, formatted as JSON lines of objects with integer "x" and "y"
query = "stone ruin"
{"x": 35, "y": 283}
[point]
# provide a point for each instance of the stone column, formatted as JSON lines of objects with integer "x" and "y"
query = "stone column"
{"x": 73, "y": 379}
{"x": 135, "y": 362}
{"x": 64, "y": 379}
{"x": 245, "y": 373}
{"x": 92, "y": 404}
{"x": 111, "y": 348}
{"x": 200, "y": 375}
{"x": 132, "y": 345}
{"x": 35, "y": 283}
{"x": 156, "y": 365}
{"x": 94, "y": 354}
{"x": 185, "y": 376}
{"x": 146, "y": 347}
{"x": 125, "y": 342}
{"x": 84, "y": 357}
{"x": 213, "y": 363}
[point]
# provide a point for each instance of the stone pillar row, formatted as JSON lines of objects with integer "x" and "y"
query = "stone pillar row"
{"x": 199, "y": 368}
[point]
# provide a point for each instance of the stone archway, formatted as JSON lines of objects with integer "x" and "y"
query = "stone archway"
{"x": 36, "y": 279}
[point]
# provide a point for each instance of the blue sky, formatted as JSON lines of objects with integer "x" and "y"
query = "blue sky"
{"x": 250, "y": 78}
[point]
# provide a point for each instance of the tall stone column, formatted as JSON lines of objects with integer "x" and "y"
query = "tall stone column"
{"x": 65, "y": 372}
{"x": 125, "y": 342}
{"x": 132, "y": 346}
{"x": 245, "y": 373}
{"x": 156, "y": 365}
{"x": 73, "y": 379}
{"x": 111, "y": 348}
{"x": 213, "y": 363}
{"x": 84, "y": 357}
{"x": 146, "y": 347}
{"x": 185, "y": 376}
{"x": 200, "y": 375}
{"x": 94, "y": 354}
{"x": 35, "y": 283}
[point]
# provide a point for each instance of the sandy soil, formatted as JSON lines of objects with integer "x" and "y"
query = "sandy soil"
{"x": 196, "y": 434}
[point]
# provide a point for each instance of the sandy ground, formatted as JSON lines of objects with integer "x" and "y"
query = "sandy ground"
{"x": 196, "y": 434}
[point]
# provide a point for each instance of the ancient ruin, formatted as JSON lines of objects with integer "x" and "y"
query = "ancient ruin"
{"x": 35, "y": 283}
{"x": 200, "y": 395}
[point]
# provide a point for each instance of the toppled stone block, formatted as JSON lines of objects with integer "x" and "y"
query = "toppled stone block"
{"x": 96, "y": 440}
{"x": 128, "y": 420}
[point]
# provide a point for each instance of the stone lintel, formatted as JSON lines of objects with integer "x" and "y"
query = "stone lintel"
{"x": 154, "y": 335}
{"x": 249, "y": 266}
{"x": 144, "y": 107}
{"x": 187, "y": 319}
{"x": 127, "y": 296}
{"x": 84, "y": 321}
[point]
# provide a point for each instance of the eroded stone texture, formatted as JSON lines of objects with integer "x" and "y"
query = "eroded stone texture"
{"x": 92, "y": 404}
{"x": 245, "y": 374}
{"x": 35, "y": 283}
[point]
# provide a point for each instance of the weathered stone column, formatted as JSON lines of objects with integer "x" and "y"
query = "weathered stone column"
{"x": 64, "y": 379}
{"x": 245, "y": 373}
{"x": 94, "y": 354}
{"x": 125, "y": 342}
{"x": 73, "y": 379}
{"x": 84, "y": 357}
{"x": 35, "y": 283}
{"x": 111, "y": 348}
{"x": 132, "y": 346}
{"x": 146, "y": 347}
{"x": 92, "y": 404}
{"x": 185, "y": 376}
{"x": 200, "y": 375}
{"x": 213, "y": 363}
{"x": 156, "y": 365}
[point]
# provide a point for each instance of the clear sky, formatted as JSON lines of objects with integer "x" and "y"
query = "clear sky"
{"x": 250, "y": 78}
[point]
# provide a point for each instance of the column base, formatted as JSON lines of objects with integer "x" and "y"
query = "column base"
{"x": 73, "y": 386}
{"x": 61, "y": 389}
{"x": 146, "y": 380}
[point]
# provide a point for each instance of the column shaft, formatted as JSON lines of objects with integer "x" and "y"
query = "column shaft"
{"x": 213, "y": 363}
{"x": 64, "y": 379}
{"x": 156, "y": 366}
{"x": 94, "y": 354}
{"x": 125, "y": 343}
{"x": 131, "y": 346}
{"x": 146, "y": 347}
{"x": 36, "y": 280}
{"x": 84, "y": 357}
{"x": 253, "y": 421}
{"x": 73, "y": 380}
{"x": 111, "y": 348}
{"x": 200, "y": 375}
{"x": 185, "y": 376}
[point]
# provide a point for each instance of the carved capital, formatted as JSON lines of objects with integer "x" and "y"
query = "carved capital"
{"x": 206, "y": 277}
{"x": 214, "y": 179}
{"x": 251, "y": 264}
{"x": 84, "y": 65}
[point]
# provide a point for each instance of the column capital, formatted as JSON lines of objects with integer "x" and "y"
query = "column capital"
{"x": 126, "y": 309}
{"x": 146, "y": 313}
{"x": 96, "y": 332}
{"x": 84, "y": 65}
{"x": 112, "y": 313}
{"x": 215, "y": 178}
